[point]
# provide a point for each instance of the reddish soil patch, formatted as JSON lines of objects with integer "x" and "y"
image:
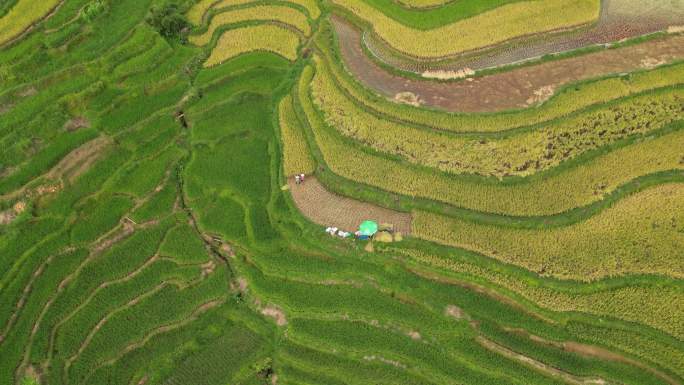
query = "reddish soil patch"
{"x": 327, "y": 209}
{"x": 506, "y": 90}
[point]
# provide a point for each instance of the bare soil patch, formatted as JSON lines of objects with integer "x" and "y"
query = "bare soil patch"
{"x": 30, "y": 91}
{"x": 275, "y": 313}
{"x": 208, "y": 268}
{"x": 328, "y": 209}
{"x": 79, "y": 160}
{"x": 6, "y": 217}
{"x": 5, "y": 107}
{"x": 506, "y": 90}
{"x": 9, "y": 215}
{"x": 76, "y": 123}
{"x": 455, "y": 312}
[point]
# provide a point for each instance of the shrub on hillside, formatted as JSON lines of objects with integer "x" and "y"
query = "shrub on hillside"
{"x": 168, "y": 20}
{"x": 93, "y": 10}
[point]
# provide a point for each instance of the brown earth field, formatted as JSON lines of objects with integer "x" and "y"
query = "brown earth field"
{"x": 328, "y": 209}
{"x": 619, "y": 20}
{"x": 507, "y": 90}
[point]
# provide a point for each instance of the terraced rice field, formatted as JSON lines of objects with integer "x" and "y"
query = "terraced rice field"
{"x": 503, "y": 23}
{"x": 618, "y": 20}
{"x": 512, "y": 89}
{"x": 152, "y": 232}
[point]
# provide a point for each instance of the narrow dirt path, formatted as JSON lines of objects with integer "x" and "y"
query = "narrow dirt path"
{"x": 327, "y": 209}
{"x": 518, "y": 88}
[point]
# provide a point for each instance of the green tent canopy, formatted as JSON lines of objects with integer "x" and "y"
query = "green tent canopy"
{"x": 368, "y": 228}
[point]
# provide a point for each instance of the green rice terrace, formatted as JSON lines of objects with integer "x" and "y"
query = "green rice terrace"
{"x": 328, "y": 192}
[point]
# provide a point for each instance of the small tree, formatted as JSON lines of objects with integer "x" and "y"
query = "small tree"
{"x": 168, "y": 20}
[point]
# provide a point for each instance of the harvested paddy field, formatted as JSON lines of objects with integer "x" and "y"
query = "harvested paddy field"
{"x": 328, "y": 209}
{"x": 517, "y": 88}
{"x": 523, "y": 227}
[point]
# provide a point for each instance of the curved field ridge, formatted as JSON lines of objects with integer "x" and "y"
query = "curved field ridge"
{"x": 642, "y": 234}
{"x": 283, "y": 14}
{"x": 22, "y": 16}
{"x": 266, "y": 37}
{"x": 328, "y": 209}
{"x": 489, "y": 28}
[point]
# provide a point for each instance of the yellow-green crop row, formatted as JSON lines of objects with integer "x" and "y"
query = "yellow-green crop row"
{"x": 641, "y": 234}
{"x": 648, "y": 305}
{"x": 197, "y": 12}
{"x": 571, "y": 99}
{"x": 310, "y": 5}
{"x": 22, "y": 16}
{"x": 574, "y": 187}
{"x": 492, "y": 27}
{"x": 522, "y": 154}
{"x": 265, "y": 37}
{"x": 296, "y": 156}
{"x": 283, "y": 14}
{"x": 423, "y": 3}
